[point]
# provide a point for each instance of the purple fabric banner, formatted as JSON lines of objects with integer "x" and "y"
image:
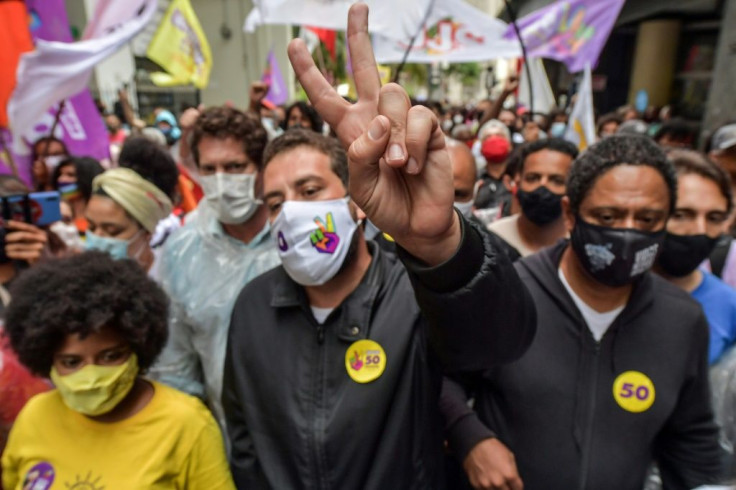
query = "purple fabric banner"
{"x": 278, "y": 93}
{"x": 572, "y": 31}
{"x": 80, "y": 125}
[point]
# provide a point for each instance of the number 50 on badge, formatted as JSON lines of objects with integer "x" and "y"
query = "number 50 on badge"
{"x": 365, "y": 361}
{"x": 633, "y": 391}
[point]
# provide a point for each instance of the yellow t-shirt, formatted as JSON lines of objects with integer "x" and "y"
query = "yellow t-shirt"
{"x": 172, "y": 443}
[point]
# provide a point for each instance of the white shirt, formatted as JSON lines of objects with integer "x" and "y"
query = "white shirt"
{"x": 598, "y": 323}
{"x": 321, "y": 314}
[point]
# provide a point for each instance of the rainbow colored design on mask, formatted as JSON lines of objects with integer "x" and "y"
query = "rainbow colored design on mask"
{"x": 325, "y": 238}
{"x": 70, "y": 192}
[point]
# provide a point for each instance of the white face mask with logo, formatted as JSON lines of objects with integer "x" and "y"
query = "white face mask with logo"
{"x": 314, "y": 238}
{"x": 232, "y": 196}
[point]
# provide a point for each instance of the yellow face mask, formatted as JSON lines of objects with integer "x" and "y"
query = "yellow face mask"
{"x": 94, "y": 390}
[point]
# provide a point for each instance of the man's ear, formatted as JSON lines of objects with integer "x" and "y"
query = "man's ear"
{"x": 510, "y": 184}
{"x": 568, "y": 214}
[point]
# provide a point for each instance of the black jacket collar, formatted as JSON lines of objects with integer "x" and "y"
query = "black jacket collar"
{"x": 543, "y": 267}
{"x": 287, "y": 293}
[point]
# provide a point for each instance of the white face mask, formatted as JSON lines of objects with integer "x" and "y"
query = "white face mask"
{"x": 53, "y": 161}
{"x": 232, "y": 196}
{"x": 314, "y": 238}
{"x": 465, "y": 208}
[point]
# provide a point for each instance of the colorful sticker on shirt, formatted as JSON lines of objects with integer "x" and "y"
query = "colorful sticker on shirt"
{"x": 40, "y": 477}
{"x": 633, "y": 391}
{"x": 365, "y": 361}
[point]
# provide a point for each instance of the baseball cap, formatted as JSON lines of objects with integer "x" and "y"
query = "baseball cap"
{"x": 724, "y": 138}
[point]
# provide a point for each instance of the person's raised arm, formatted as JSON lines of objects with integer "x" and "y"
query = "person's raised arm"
{"x": 400, "y": 171}
{"x": 509, "y": 87}
{"x": 478, "y": 310}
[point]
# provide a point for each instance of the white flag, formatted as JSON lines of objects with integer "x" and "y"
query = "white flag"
{"x": 544, "y": 98}
{"x": 581, "y": 123}
{"x": 396, "y": 19}
{"x": 55, "y": 71}
{"x": 455, "y": 32}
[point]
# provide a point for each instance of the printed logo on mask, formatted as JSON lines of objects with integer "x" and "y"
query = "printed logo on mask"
{"x": 39, "y": 477}
{"x": 644, "y": 259}
{"x": 600, "y": 256}
{"x": 283, "y": 246}
{"x": 324, "y": 238}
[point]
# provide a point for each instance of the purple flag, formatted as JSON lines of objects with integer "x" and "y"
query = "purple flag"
{"x": 80, "y": 125}
{"x": 572, "y": 31}
{"x": 278, "y": 93}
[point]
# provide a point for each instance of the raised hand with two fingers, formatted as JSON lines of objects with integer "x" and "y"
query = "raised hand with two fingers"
{"x": 400, "y": 171}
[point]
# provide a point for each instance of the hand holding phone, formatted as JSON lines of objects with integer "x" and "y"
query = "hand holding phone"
{"x": 24, "y": 241}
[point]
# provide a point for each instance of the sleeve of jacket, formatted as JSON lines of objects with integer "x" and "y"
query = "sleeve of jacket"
{"x": 479, "y": 312}
{"x": 463, "y": 428}
{"x": 178, "y": 365}
{"x": 688, "y": 449}
{"x": 244, "y": 465}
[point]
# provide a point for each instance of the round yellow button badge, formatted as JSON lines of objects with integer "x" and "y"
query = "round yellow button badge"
{"x": 633, "y": 391}
{"x": 365, "y": 361}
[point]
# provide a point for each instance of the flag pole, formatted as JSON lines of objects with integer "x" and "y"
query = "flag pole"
{"x": 411, "y": 42}
{"x": 512, "y": 16}
{"x": 53, "y": 126}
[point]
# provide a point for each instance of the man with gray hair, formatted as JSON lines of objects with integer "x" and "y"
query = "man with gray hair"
{"x": 493, "y": 148}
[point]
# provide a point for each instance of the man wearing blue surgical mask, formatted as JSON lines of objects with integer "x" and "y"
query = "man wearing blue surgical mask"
{"x": 618, "y": 372}
{"x": 225, "y": 243}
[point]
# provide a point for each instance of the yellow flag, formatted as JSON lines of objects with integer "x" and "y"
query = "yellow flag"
{"x": 385, "y": 73}
{"x": 180, "y": 47}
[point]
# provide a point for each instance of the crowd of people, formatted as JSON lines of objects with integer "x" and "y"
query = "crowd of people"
{"x": 381, "y": 294}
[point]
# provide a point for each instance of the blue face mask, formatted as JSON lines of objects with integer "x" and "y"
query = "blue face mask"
{"x": 557, "y": 130}
{"x": 117, "y": 248}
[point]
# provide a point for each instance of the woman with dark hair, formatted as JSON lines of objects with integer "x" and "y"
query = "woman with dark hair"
{"x": 94, "y": 325}
{"x": 48, "y": 152}
{"x": 73, "y": 178}
{"x": 302, "y": 115}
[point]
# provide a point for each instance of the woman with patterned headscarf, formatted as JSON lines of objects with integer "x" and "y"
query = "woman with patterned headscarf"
{"x": 122, "y": 215}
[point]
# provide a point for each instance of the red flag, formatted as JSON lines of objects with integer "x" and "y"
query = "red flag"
{"x": 15, "y": 39}
{"x": 328, "y": 37}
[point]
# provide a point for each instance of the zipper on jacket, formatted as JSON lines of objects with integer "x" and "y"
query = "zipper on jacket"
{"x": 318, "y": 418}
{"x": 587, "y": 446}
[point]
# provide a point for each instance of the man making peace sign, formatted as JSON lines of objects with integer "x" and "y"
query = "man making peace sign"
{"x": 335, "y": 358}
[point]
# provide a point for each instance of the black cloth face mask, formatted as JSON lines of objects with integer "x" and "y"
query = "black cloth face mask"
{"x": 615, "y": 256}
{"x": 541, "y": 206}
{"x": 682, "y": 254}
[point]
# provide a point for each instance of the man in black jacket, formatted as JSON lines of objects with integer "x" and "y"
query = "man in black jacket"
{"x": 617, "y": 373}
{"x": 328, "y": 379}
